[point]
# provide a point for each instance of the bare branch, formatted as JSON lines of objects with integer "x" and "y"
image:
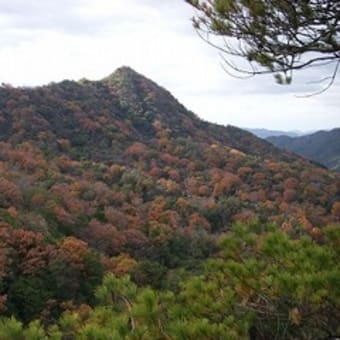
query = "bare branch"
{"x": 329, "y": 85}
{"x": 273, "y": 37}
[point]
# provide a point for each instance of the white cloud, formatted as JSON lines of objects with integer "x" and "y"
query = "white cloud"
{"x": 275, "y": 111}
{"x": 48, "y": 40}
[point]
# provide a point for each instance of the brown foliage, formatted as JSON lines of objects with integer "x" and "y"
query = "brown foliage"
{"x": 73, "y": 251}
{"x": 289, "y": 195}
{"x": 10, "y": 194}
{"x": 336, "y": 210}
{"x": 122, "y": 264}
{"x": 290, "y": 183}
{"x": 228, "y": 183}
{"x": 105, "y": 237}
{"x": 136, "y": 149}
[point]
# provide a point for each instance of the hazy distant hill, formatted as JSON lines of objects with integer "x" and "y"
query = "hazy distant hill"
{"x": 321, "y": 146}
{"x": 264, "y": 133}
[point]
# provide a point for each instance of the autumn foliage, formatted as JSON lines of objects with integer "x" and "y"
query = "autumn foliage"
{"x": 116, "y": 177}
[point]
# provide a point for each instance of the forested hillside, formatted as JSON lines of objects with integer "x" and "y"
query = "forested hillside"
{"x": 123, "y": 215}
{"x": 322, "y": 147}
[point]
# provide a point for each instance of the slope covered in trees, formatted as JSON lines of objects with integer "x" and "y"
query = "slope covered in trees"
{"x": 322, "y": 147}
{"x": 103, "y": 179}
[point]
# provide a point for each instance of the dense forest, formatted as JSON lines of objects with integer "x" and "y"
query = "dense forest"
{"x": 125, "y": 216}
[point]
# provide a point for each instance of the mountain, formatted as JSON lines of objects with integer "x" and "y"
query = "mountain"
{"x": 71, "y": 130}
{"x": 265, "y": 133}
{"x": 109, "y": 178}
{"x": 322, "y": 147}
{"x": 100, "y": 119}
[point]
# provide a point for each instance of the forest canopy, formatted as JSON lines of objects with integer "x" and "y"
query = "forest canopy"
{"x": 125, "y": 216}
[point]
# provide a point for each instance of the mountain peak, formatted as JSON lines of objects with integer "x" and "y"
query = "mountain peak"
{"x": 125, "y": 69}
{"x": 123, "y": 72}
{"x": 141, "y": 96}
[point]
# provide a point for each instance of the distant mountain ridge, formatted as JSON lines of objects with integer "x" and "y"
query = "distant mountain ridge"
{"x": 321, "y": 146}
{"x": 265, "y": 133}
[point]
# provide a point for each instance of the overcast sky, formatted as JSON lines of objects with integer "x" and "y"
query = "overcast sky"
{"x": 50, "y": 40}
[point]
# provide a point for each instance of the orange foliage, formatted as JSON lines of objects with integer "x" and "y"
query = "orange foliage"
{"x": 136, "y": 149}
{"x": 244, "y": 172}
{"x": 122, "y": 264}
{"x": 31, "y": 253}
{"x": 169, "y": 185}
{"x": 238, "y": 153}
{"x": 168, "y": 158}
{"x": 286, "y": 227}
{"x": 304, "y": 222}
{"x": 316, "y": 233}
{"x": 273, "y": 166}
{"x": 227, "y": 183}
{"x": 73, "y": 251}
{"x": 9, "y": 193}
{"x": 290, "y": 183}
{"x": 13, "y": 211}
{"x": 204, "y": 190}
{"x": 174, "y": 175}
{"x": 116, "y": 171}
{"x": 62, "y": 215}
{"x": 198, "y": 222}
{"x": 336, "y": 210}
